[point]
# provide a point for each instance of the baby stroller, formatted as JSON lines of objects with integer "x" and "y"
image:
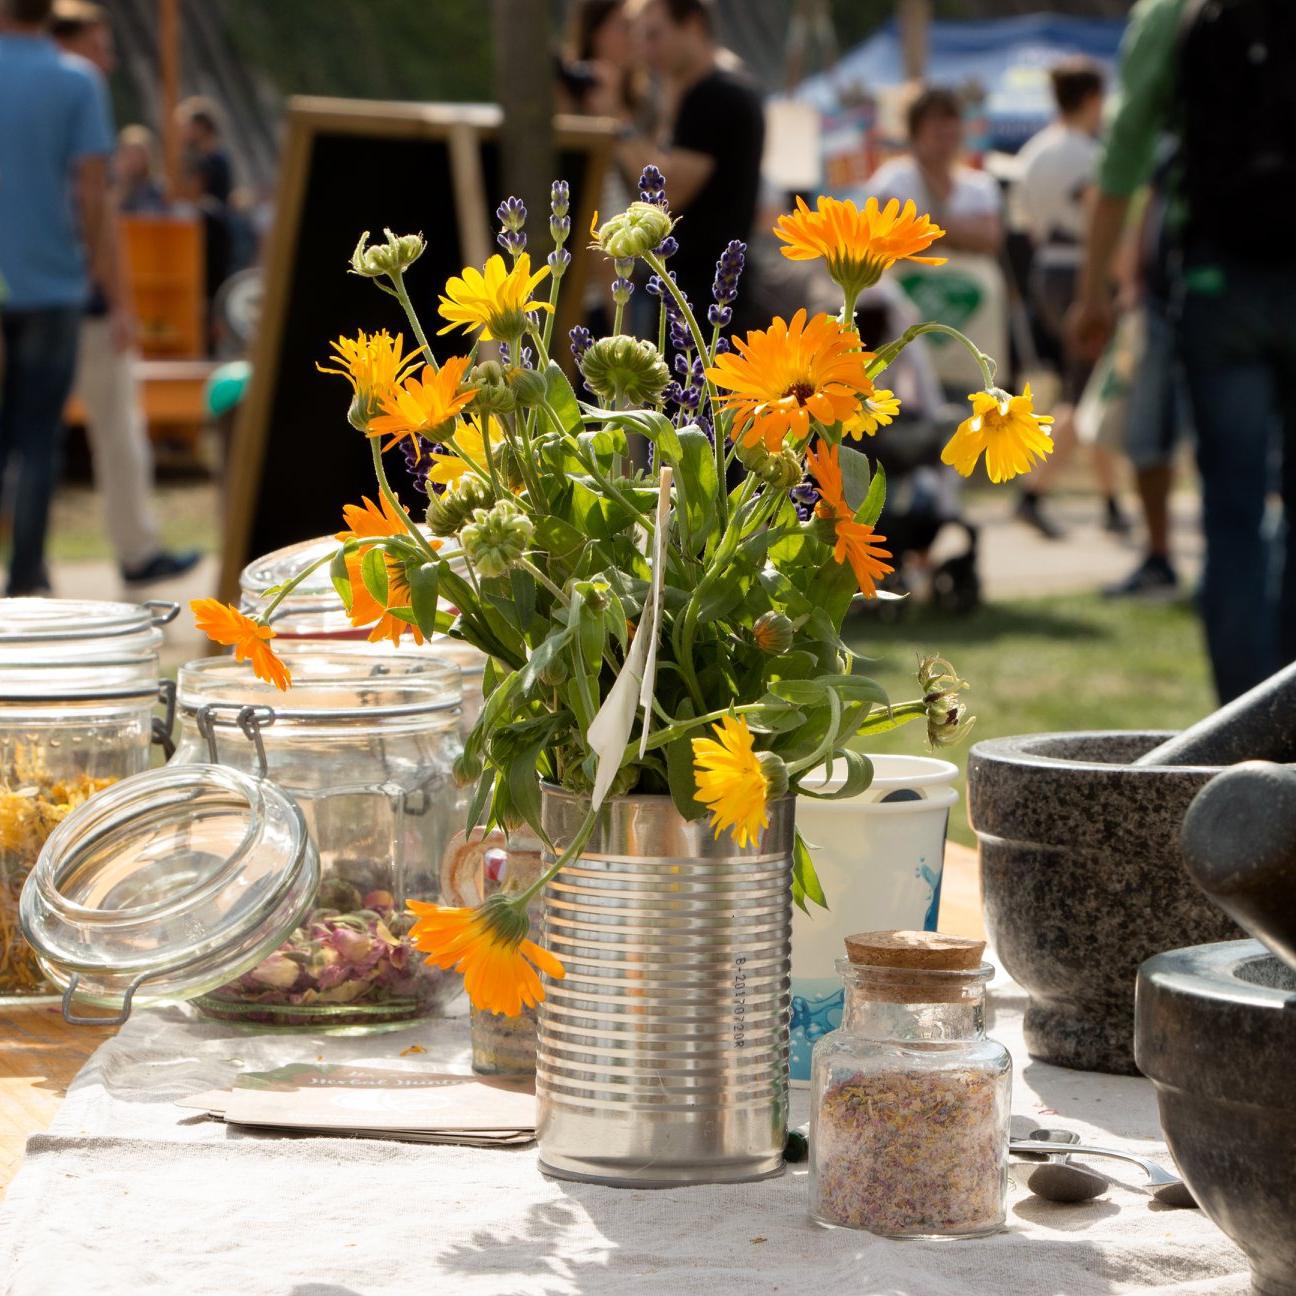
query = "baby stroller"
{"x": 934, "y": 546}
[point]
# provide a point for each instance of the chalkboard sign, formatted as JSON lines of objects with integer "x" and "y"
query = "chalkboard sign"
{"x": 349, "y": 166}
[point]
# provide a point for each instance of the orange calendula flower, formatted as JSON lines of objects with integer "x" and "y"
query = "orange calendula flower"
{"x": 366, "y": 521}
{"x": 875, "y": 411}
{"x": 1006, "y": 427}
{"x": 493, "y": 300}
{"x": 856, "y": 542}
{"x": 420, "y": 407}
{"x": 224, "y": 624}
{"x": 779, "y": 378}
{"x": 375, "y": 365}
{"x": 731, "y": 781}
{"x": 489, "y": 946}
{"x": 857, "y": 245}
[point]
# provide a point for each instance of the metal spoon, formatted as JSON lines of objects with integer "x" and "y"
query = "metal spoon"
{"x": 1167, "y": 1188}
{"x": 1059, "y": 1179}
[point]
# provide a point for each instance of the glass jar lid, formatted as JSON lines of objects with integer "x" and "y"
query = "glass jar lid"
{"x": 57, "y": 649}
{"x": 315, "y": 611}
{"x": 166, "y": 885}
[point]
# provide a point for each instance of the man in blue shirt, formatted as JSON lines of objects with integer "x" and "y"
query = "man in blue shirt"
{"x": 55, "y": 144}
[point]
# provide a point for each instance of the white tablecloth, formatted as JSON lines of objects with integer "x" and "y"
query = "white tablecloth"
{"x": 129, "y": 1195}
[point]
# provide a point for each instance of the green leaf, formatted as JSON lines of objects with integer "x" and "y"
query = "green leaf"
{"x": 698, "y": 488}
{"x": 524, "y": 598}
{"x": 524, "y": 780}
{"x": 561, "y": 399}
{"x": 341, "y": 577}
{"x": 871, "y": 509}
{"x": 557, "y": 538}
{"x": 679, "y": 770}
{"x": 423, "y": 583}
{"x": 481, "y": 798}
{"x": 805, "y": 881}
{"x": 800, "y": 692}
{"x": 373, "y": 571}
{"x": 859, "y": 774}
{"x": 543, "y": 657}
{"x": 855, "y": 476}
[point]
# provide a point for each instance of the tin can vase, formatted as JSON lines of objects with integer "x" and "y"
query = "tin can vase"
{"x": 662, "y": 1055}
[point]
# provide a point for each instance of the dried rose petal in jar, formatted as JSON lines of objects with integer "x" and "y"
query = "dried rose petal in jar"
{"x": 909, "y": 1131}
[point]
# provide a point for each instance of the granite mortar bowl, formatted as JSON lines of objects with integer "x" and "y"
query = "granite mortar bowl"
{"x": 1216, "y": 1035}
{"x": 1083, "y": 879}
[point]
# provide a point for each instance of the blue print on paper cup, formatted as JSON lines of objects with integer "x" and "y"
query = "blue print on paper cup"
{"x": 879, "y": 857}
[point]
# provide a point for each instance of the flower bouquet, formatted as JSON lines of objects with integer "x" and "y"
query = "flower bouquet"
{"x": 664, "y": 624}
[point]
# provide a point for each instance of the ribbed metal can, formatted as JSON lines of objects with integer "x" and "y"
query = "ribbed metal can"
{"x": 662, "y": 1055}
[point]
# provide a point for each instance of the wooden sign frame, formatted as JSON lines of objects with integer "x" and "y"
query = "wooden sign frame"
{"x": 465, "y": 129}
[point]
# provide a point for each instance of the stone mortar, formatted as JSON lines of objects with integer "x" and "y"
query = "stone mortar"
{"x": 1217, "y": 1036}
{"x": 1083, "y": 879}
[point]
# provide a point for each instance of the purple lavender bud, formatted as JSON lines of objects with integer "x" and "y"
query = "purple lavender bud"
{"x": 668, "y": 247}
{"x": 805, "y": 497}
{"x": 512, "y": 241}
{"x": 559, "y": 228}
{"x": 720, "y": 316}
{"x": 723, "y": 346}
{"x": 707, "y": 426}
{"x": 511, "y": 213}
{"x": 682, "y": 366}
{"x": 691, "y": 398}
{"x": 559, "y": 197}
{"x": 680, "y": 338}
{"x": 652, "y": 186}
{"x": 672, "y": 393}
{"x": 418, "y": 465}
{"x": 505, "y": 354}
{"x": 624, "y": 267}
{"x": 728, "y": 271}
{"x": 622, "y": 291}
{"x": 653, "y": 287}
{"x": 527, "y": 354}
{"x": 559, "y": 259}
{"x": 581, "y": 340}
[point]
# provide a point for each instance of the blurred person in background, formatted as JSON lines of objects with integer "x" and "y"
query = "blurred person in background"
{"x": 712, "y": 139}
{"x": 1057, "y": 168}
{"x": 105, "y": 380}
{"x": 964, "y": 202}
{"x": 1218, "y": 77}
{"x": 55, "y": 144}
{"x": 136, "y": 173}
{"x": 207, "y": 181}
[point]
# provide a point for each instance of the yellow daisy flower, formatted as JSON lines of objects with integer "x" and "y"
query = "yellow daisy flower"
{"x": 731, "y": 782}
{"x": 489, "y": 946}
{"x": 375, "y": 364}
{"x": 418, "y": 408}
{"x": 1006, "y": 427}
{"x": 876, "y": 411}
{"x": 451, "y": 466}
{"x": 494, "y": 300}
{"x": 776, "y": 379}
{"x": 857, "y": 245}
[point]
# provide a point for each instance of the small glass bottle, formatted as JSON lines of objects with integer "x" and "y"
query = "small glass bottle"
{"x": 911, "y": 1100}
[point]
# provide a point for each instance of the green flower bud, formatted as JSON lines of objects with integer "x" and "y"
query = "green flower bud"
{"x": 496, "y": 538}
{"x": 529, "y": 386}
{"x": 781, "y": 470}
{"x": 466, "y": 771}
{"x": 639, "y": 229}
{"x": 948, "y": 720}
{"x": 390, "y": 258}
{"x": 772, "y": 633}
{"x": 494, "y": 395}
{"x": 555, "y": 673}
{"x": 624, "y": 369}
{"x": 775, "y": 771}
{"x": 449, "y": 511}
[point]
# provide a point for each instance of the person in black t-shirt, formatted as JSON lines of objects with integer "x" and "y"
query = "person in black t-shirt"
{"x": 716, "y": 134}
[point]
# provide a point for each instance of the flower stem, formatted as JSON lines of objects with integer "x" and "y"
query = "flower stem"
{"x": 528, "y": 566}
{"x": 389, "y": 495}
{"x": 892, "y": 349}
{"x": 659, "y": 266}
{"x": 402, "y": 296}
{"x": 574, "y": 848}
{"x": 289, "y": 585}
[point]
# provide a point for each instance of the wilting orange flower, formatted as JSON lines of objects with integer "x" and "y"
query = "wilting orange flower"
{"x": 493, "y": 299}
{"x": 731, "y": 782}
{"x": 489, "y": 946}
{"x": 1007, "y": 428}
{"x": 224, "y": 624}
{"x": 856, "y": 245}
{"x": 418, "y": 408}
{"x": 375, "y": 365}
{"x": 367, "y": 521}
{"x": 780, "y": 377}
{"x": 856, "y": 542}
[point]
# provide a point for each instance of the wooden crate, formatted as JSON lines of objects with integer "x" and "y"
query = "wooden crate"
{"x": 164, "y": 256}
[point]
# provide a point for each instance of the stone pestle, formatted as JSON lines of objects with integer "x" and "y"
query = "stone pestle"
{"x": 1259, "y": 725}
{"x": 1239, "y": 843}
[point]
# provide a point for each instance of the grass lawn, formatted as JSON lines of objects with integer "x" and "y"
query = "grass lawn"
{"x": 1065, "y": 662}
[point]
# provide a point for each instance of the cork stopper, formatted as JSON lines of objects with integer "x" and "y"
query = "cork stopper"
{"x": 914, "y": 966}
